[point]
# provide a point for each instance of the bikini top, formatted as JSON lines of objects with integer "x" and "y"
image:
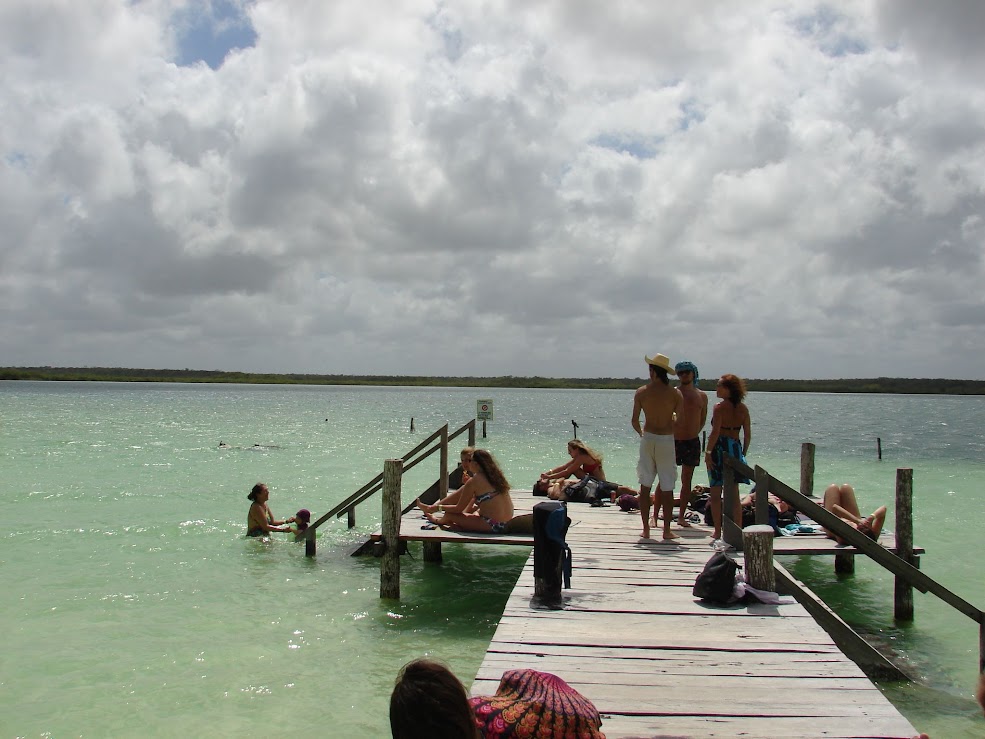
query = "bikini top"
{"x": 479, "y": 499}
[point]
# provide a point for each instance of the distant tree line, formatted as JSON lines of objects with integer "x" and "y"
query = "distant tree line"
{"x": 121, "y": 374}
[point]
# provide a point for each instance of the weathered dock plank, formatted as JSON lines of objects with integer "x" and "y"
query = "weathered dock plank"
{"x": 657, "y": 662}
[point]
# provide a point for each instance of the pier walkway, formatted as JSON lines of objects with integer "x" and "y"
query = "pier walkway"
{"x": 657, "y": 662}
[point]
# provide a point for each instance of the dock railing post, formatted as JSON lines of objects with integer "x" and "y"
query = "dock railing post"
{"x": 390, "y": 562}
{"x": 903, "y": 596}
{"x": 431, "y": 550}
{"x": 757, "y": 552}
{"x": 762, "y": 501}
{"x": 807, "y": 469}
{"x": 731, "y": 529}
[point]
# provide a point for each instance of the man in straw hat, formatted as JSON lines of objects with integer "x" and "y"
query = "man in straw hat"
{"x": 659, "y": 402}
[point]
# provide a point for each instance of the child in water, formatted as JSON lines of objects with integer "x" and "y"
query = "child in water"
{"x": 300, "y": 520}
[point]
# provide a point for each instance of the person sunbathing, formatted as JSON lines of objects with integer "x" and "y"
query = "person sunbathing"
{"x": 840, "y": 500}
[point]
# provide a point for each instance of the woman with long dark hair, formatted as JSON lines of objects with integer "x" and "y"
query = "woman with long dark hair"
{"x": 489, "y": 489}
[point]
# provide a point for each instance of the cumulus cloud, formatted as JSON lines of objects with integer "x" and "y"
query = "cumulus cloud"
{"x": 777, "y": 189}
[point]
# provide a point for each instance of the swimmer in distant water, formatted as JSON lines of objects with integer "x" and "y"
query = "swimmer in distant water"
{"x": 260, "y": 521}
{"x": 223, "y": 445}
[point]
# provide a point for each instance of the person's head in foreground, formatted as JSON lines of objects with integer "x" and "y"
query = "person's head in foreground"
{"x": 536, "y": 704}
{"x": 429, "y": 702}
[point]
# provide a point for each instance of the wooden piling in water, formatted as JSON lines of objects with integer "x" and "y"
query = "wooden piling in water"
{"x": 807, "y": 469}
{"x": 879, "y": 446}
{"x": 757, "y": 552}
{"x": 903, "y": 592}
{"x": 390, "y": 561}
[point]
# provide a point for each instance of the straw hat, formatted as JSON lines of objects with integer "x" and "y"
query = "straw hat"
{"x": 536, "y": 704}
{"x": 661, "y": 361}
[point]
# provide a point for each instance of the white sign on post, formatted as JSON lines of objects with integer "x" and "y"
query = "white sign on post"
{"x": 484, "y": 410}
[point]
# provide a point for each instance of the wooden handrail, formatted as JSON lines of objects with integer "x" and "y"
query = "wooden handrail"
{"x": 889, "y": 560}
{"x": 376, "y": 484}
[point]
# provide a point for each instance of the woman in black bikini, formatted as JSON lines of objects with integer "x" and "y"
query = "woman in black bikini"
{"x": 490, "y": 490}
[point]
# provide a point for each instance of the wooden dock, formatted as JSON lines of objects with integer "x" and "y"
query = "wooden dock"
{"x": 658, "y": 662}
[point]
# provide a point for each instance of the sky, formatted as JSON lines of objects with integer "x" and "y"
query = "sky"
{"x": 494, "y": 187}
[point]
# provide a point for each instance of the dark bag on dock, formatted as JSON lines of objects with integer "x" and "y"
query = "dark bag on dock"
{"x": 583, "y": 491}
{"x": 717, "y": 580}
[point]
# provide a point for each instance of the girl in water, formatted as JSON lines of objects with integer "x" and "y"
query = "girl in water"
{"x": 300, "y": 520}
{"x": 488, "y": 489}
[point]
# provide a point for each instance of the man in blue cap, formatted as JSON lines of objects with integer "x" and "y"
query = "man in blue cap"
{"x": 687, "y": 430}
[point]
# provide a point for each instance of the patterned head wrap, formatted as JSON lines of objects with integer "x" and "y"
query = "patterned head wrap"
{"x": 687, "y": 367}
{"x": 535, "y": 704}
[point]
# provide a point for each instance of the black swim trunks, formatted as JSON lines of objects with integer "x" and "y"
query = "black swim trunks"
{"x": 688, "y": 452}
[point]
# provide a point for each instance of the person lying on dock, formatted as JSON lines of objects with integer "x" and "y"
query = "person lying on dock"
{"x": 840, "y": 500}
{"x": 781, "y": 513}
{"x": 489, "y": 489}
{"x": 586, "y": 490}
{"x": 260, "y": 521}
{"x": 452, "y": 498}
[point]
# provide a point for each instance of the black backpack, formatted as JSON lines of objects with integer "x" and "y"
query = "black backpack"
{"x": 715, "y": 582}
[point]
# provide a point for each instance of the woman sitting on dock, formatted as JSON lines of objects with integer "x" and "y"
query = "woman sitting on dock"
{"x": 489, "y": 489}
{"x": 840, "y": 500}
{"x": 260, "y": 521}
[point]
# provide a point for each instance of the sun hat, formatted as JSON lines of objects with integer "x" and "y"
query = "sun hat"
{"x": 661, "y": 361}
{"x": 536, "y": 704}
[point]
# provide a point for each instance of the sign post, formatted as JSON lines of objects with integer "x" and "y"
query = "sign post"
{"x": 484, "y": 412}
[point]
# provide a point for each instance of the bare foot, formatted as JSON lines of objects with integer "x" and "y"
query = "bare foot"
{"x": 646, "y": 532}
{"x": 431, "y": 517}
{"x": 424, "y": 506}
{"x": 668, "y": 535}
{"x": 683, "y": 523}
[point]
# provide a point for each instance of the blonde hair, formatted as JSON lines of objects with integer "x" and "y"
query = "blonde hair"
{"x": 585, "y": 449}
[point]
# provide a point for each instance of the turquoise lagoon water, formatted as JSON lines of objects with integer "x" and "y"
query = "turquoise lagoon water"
{"x": 134, "y": 606}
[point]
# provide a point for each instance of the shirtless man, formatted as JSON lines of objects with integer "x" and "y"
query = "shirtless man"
{"x": 687, "y": 430}
{"x": 658, "y": 401}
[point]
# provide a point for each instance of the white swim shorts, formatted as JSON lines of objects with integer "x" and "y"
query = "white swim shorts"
{"x": 657, "y": 461}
